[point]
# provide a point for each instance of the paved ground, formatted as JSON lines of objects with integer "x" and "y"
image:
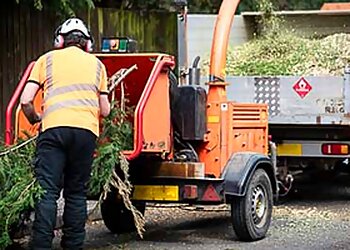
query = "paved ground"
{"x": 316, "y": 217}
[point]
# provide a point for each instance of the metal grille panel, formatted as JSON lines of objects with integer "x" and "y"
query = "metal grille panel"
{"x": 267, "y": 90}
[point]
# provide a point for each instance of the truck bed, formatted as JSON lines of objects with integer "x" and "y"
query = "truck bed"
{"x": 296, "y": 100}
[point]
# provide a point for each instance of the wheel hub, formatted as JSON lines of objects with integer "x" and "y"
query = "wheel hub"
{"x": 259, "y": 205}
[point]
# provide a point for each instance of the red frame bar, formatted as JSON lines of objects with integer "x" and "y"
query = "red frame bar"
{"x": 139, "y": 112}
{"x": 13, "y": 101}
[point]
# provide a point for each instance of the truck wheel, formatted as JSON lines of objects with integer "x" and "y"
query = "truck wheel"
{"x": 117, "y": 218}
{"x": 251, "y": 214}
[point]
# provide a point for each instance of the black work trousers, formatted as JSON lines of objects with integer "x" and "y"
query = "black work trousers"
{"x": 63, "y": 160}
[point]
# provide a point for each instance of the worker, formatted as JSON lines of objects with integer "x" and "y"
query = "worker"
{"x": 74, "y": 85}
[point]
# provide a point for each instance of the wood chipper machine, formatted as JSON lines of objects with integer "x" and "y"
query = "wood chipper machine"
{"x": 190, "y": 145}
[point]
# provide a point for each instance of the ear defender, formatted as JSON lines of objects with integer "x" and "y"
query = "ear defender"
{"x": 89, "y": 44}
{"x": 59, "y": 42}
{"x": 88, "y": 47}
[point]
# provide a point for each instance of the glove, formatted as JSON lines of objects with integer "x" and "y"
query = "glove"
{"x": 29, "y": 112}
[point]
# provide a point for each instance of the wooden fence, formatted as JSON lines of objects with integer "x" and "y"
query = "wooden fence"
{"x": 25, "y": 34}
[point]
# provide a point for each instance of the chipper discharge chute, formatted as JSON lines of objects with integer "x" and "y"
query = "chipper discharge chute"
{"x": 191, "y": 145}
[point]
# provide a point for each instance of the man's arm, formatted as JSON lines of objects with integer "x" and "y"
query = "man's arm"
{"x": 27, "y": 106}
{"x": 34, "y": 83}
{"x": 105, "y": 106}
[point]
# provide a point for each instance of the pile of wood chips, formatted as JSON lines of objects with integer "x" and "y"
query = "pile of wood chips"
{"x": 285, "y": 53}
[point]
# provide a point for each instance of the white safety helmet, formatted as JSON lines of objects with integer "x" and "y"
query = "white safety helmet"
{"x": 74, "y": 24}
{"x": 71, "y": 25}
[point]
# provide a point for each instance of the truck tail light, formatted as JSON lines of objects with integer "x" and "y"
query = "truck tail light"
{"x": 335, "y": 149}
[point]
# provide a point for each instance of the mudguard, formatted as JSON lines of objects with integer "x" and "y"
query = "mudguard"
{"x": 240, "y": 168}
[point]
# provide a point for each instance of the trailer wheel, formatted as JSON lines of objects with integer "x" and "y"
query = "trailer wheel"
{"x": 251, "y": 214}
{"x": 117, "y": 218}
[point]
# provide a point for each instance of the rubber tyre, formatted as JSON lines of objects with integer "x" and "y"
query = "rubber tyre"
{"x": 116, "y": 217}
{"x": 242, "y": 211}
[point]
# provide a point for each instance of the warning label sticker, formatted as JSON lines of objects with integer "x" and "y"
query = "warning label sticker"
{"x": 302, "y": 87}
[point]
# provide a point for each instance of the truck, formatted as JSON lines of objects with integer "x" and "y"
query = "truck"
{"x": 308, "y": 116}
{"x": 190, "y": 145}
{"x": 308, "y": 120}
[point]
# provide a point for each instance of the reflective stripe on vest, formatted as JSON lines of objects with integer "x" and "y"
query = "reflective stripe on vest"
{"x": 49, "y": 80}
{"x": 98, "y": 73}
{"x": 71, "y": 103}
{"x": 70, "y": 88}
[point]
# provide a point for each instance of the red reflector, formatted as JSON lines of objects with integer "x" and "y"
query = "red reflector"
{"x": 335, "y": 149}
{"x": 210, "y": 194}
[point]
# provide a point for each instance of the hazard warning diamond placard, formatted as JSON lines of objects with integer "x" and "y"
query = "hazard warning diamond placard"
{"x": 302, "y": 87}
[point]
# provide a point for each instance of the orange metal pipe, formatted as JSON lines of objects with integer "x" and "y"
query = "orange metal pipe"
{"x": 220, "y": 38}
{"x": 217, "y": 90}
{"x": 213, "y": 152}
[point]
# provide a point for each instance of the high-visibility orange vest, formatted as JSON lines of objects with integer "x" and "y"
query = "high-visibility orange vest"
{"x": 72, "y": 81}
